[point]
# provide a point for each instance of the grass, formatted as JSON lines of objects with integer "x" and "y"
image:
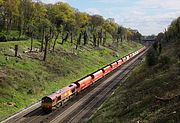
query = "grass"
{"x": 137, "y": 99}
{"x": 27, "y": 80}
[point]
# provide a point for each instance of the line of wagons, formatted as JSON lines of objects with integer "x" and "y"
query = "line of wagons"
{"x": 56, "y": 99}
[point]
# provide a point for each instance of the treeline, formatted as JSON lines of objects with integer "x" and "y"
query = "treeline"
{"x": 50, "y": 22}
{"x": 170, "y": 35}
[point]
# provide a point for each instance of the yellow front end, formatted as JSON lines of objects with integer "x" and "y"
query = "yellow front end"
{"x": 46, "y": 103}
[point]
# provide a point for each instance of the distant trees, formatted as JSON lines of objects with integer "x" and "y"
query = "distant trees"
{"x": 173, "y": 30}
{"x": 80, "y": 27}
{"x": 1, "y": 16}
{"x": 171, "y": 34}
{"x": 67, "y": 22}
{"x": 10, "y": 12}
{"x": 96, "y": 23}
{"x": 59, "y": 21}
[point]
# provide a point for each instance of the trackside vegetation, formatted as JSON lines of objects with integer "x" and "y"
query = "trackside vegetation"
{"x": 151, "y": 93}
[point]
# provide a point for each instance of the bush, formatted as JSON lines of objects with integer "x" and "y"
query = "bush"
{"x": 11, "y": 36}
{"x": 164, "y": 62}
{"x": 151, "y": 57}
{"x": 3, "y": 37}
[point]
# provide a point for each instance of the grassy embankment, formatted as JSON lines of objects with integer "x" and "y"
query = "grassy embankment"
{"x": 26, "y": 80}
{"x": 151, "y": 94}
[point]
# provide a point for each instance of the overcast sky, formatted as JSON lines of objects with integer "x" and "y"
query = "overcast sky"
{"x": 148, "y": 16}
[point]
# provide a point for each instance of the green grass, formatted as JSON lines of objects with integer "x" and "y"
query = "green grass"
{"x": 24, "y": 81}
{"x": 135, "y": 100}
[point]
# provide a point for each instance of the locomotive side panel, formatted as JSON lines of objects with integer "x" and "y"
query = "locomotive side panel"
{"x": 52, "y": 100}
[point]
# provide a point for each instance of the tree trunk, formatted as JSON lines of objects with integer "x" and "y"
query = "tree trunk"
{"x": 98, "y": 41}
{"x": 3, "y": 24}
{"x": 104, "y": 39}
{"x": 94, "y": 40}
{"x": 31, "y": 41}
{"x": 62, "y": 37}
{"x": 8, "y": 25}
{"x": 78, "y": 41}
{"x": 55, "y": 41}
{"x": 167, "y": 39}
{"x": 178, "y": 27}
{"x": 117, "y": 40}
{"x": 65, "y": 39}
{"x": 85, "y": 38}
{"x": 42, "y": 40}
{"x": 71, "y": 37}
{"x": 51, "y": 36}
{"x": 101, "y": 36}
{"x": 20, "y": 26}
{"x": 46, "y": 47}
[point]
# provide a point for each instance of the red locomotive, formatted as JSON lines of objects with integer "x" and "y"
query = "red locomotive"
{"x": 57, "y": 98}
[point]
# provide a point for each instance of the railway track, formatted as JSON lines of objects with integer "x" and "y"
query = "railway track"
{"x": 80, "y": 108}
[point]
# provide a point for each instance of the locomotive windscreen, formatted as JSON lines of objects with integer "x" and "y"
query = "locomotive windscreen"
{"x": 46, "y": 100}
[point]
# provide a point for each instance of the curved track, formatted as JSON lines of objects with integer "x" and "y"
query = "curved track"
{"x": 80, "y": 108}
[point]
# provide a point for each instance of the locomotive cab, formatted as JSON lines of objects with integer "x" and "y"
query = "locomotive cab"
{"x": 46, "y": 103}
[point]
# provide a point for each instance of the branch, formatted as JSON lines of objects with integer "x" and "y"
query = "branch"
{"x": 167, "y": 99}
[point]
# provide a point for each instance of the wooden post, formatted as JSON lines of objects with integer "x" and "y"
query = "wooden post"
{"x": 16, "y": 50}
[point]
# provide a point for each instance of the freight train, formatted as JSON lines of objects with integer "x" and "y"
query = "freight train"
{"x": 56, "y": 99}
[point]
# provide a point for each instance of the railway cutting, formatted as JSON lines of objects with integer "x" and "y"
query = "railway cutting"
{"x": 81, "y": 106}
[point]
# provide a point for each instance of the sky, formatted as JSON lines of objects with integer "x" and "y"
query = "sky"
{"x": 147, "y": 16}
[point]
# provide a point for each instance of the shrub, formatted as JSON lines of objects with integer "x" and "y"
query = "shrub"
{"x": 164, "y": 62}
{"x": 11, "y": 36}
{"x": 151, "y": 57}
{"x": 3, "y": 37}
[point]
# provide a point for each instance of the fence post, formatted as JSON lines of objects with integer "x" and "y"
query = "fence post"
{"x": 16, "y": 50}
